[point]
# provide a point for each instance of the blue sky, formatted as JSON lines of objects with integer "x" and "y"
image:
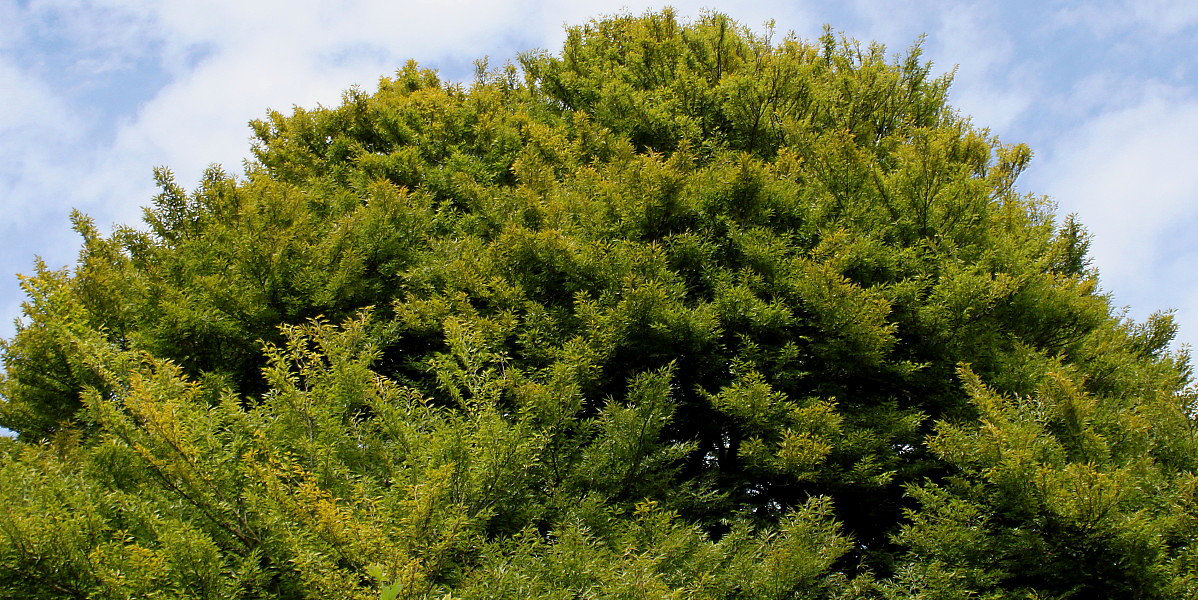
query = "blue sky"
{"x": 94, "y": 94}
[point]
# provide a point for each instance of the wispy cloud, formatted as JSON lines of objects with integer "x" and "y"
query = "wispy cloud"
{"x": 989, "y": 84}
{"x": 1166, "y": 17}
{"x": 1129, "y": 173}
{"x": 38, "y": 137}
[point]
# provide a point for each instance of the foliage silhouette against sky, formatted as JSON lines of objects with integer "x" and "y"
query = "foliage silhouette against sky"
{"x": 97, "y": 93}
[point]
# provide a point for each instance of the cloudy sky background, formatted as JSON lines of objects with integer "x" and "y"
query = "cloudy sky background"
{"x": 94, "y": 94}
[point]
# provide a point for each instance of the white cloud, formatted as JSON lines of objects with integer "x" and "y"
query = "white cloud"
{"x": 10, "y": 35}
{"x": 37, "y": 134}
{"x": 1099, "y": 92}
{"x": 984, "y": 87}
{"x": 101, "y": 36}
{"x": 896, "y": 24}
{"x": 1129, "y": 174}
{"x": 1163, "y": 17}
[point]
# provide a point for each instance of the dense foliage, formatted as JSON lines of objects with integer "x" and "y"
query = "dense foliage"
{"x": 682, "y": 311}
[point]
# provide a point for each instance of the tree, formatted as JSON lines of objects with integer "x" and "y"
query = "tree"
{"x": 680, "y": 311}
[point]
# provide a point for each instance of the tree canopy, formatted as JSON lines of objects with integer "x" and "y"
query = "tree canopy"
{"x": 679, "y": 311}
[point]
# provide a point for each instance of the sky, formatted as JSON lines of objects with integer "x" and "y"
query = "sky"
{"x": 95, "y": 94}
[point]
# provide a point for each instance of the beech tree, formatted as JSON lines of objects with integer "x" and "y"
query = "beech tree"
{"x": 679, "y": 311}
